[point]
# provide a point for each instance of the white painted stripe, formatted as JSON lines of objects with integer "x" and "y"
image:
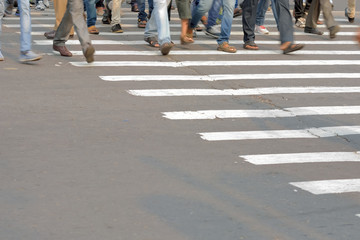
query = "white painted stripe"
{"x": 320, "y": 157}
{"x": 223, "y": 77}
{"x": 358, "y": 215}
{"x": 329, "y": 186}
{"x": 206, "y": 42}
{"x": 233, "y": 33}
{"x": 241, "y": 92}
{"x": 126, "y": 25}
{"x": 217, "y": 63}
{"x": 155, "y": 52}
{"x": 272, "y": 113}
{"x": 282, "y": 134}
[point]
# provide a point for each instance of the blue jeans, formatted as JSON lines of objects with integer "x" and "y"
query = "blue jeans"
{"x": 25, "y": 25}
{"x": 213, "y": 13}
{"x": 159, "y": 22}
{"x": 141, "y": 5}
{"x": 2, "y": 10}
{"x": 91, "y": 12}
{"x": 285, "y": 26}
{"x": 261, "y": 11}
{"x": 204, "y": 6}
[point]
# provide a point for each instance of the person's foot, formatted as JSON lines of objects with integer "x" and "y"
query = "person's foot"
{"x": 29, "y": 56}
{"x": 186, "y": 39}
{"x": 50, "y": 35}
{"x": 46, "y": 3}
{"x": 333, "y": 31}
{"x": 237, "y": 12}
{"x": 289, "y": 47}
{"x": 166, "y": 47}
{"x": 1, "y": 57}
{"x": 300, "y": 22}
{"x": 93, "y": 30}
{"x": 225, "y": 47}
{"x": 261, "y": 29}
{"x": 142, "y": 23}
{"x": 40, "y": 6}
{"x": 213, "y": 32}
{"x": 134, "y": 8}
{"x": 62, "y": 50}
{"x": 89, "y": 54}
{"x": 351, "y": 20}
{"x": 313, "y": 31}
{"x": 116, "y": 28}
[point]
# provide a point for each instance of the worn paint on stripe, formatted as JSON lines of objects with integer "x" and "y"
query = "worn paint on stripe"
{"x": 271, "y": 113}
{"x": 217, "y": 63}
{"x": 241, "y": 92}
{"x": 329, "y": 186}
{"x": 320, "y": 157}
{"x": 282, "y": 134}
{"x": 206, "y": 42}
{"x": 222, "y": 77}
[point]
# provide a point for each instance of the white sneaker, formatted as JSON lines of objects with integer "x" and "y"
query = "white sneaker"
{"x": 40, "y": 6}
{"x": 300, "y": 22}
{"x": 46, "y": 3}
{"x": 261, "y": 29}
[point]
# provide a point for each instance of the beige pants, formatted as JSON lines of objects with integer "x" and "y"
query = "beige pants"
{"x": 60, "y": 8}
{"x": 351, "y": 8}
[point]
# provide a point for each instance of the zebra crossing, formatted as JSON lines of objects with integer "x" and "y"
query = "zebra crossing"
{"x": 314, "y": 60}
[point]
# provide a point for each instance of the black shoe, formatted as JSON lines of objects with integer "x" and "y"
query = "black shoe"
{"x": 313, "y": 31}
{"x": 334, "y": 30}
{"x": 116, "y": 28}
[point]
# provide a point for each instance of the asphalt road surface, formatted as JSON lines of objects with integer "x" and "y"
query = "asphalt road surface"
{"x": 196, "y": 145}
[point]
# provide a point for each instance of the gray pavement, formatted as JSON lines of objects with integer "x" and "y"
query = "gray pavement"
{"x": 84, "y": 158}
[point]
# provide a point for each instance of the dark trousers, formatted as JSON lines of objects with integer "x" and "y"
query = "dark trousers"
{"x": 248, "y": 20}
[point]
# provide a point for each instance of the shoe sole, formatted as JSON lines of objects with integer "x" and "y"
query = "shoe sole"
{"x": 333, "y": 34}
{"x": 118, "y": 31}
{"x": 30, "y": 60}
{"x": 165, "y": 49}
{"x": 89, "y": 54}
{"x": 211, "y": 35}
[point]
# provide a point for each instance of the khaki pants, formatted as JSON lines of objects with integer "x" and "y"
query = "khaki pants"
{"x": 60, "y": 8}
{"x": 314, "y": 13}
{"x": 351, "y": 8}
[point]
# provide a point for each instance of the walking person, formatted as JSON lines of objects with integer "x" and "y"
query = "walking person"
{"x": 203, "y": 7}
{"x": 26, "y": 55}
{"x": 116, "y": 17}
{"x": 350, "y": 11}
{"x": 285, "y": 26}
{"x": 60, "y": 8}
{"x": 91, "y": 16}
{"x": 74, "y": 17}
{"x": 314, "y": 12}
{"x": 184, "y": 11}
{"x": 159, "y": 23}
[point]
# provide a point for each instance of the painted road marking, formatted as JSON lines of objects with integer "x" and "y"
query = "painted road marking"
{"x": 320, "y": 157}
{"x": 222, "y": 77}
{"x": 264, "y": 113}
{"x": 282, "y": 134}
{"x": 212, "y": 52}
{"x": 126, "y": 25}
{"x": 206, "y": 42}
{"x": 241, "y": 92}
{"x": 233, "y": 33}
{"x": 329, "y": 186}
{"x": 217, "y": 63}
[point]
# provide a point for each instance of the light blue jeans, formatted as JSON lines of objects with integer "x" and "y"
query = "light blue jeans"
{"x": 25, "y": 25}
{"x": 159, "y": 22}
{"x": 228, "y": 12}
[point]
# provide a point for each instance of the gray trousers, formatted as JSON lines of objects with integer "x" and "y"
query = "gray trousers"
{"x": 314, "y": 13}
{"x": 74, "y": 16}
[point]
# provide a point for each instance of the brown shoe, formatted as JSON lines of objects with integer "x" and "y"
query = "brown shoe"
{"x": 50, "y": 35}
{"x": 93, "y": 30}
{"x": 89, "y": 54}
{"x": 62, "y": 50}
